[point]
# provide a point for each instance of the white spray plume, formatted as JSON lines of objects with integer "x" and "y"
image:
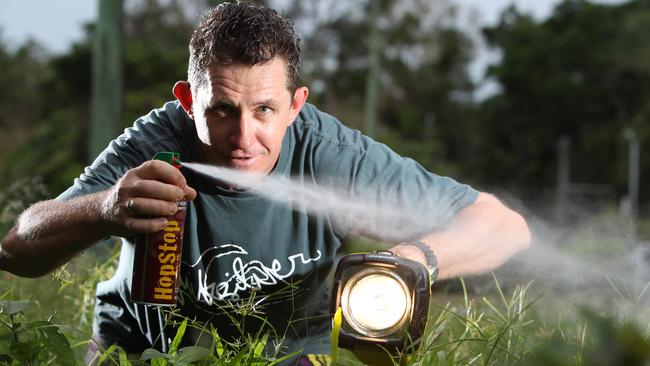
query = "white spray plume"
{"x": 582, "y": 279}
{"x": 363, "y": 215}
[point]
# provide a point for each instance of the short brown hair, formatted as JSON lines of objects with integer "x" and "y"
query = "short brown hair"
{"x": 243, "y": 33}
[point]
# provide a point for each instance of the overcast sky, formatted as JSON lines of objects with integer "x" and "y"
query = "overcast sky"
{"x": 53, "y": 23}
{"x": 56, "y": 24}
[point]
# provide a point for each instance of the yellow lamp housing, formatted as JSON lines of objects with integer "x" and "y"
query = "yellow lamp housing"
{"x": 384, "y": 301}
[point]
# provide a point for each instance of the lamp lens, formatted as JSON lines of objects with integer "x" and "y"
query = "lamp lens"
{"x": 377, "y": 303}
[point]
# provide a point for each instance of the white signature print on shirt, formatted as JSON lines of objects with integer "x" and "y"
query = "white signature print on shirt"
{"x": 243, "y": 276}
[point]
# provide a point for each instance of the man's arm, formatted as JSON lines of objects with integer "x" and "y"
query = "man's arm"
{"x": 50, "y": 233}
{"x": 480, "y": 238}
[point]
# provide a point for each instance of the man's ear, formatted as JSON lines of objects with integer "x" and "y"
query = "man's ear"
{"x": 299, "y": 99}
{"x": 183, "y": 93}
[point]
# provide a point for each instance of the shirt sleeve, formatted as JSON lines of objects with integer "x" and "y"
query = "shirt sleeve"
{"x": 390, "y": 197}
{"x": 164, "y": 129}
{"x": 403, "y": 200}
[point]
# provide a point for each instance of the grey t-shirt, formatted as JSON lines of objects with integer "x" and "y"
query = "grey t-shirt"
{"x": 242, "y": 248}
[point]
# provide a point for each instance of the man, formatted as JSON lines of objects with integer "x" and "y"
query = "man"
{"x": 241, "y": 108}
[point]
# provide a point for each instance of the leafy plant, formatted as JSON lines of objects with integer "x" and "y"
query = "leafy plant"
{"x": 610, "y": 343}
{"x": 219, "y": 353}
{"x": 25, "y": 342}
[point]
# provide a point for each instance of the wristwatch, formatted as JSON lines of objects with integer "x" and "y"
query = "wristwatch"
{"x": 432, "y": 260}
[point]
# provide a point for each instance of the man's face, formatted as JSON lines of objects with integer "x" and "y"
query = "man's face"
{"x": 243, "y": 112}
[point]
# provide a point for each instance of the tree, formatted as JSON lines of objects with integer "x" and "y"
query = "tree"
{"x": 23, "y": 69}
{"x": 51, "y": 95}
{"x": 423, "y": 59}
{"x": 423, "y": 81}
{"x": 582, "y": 73}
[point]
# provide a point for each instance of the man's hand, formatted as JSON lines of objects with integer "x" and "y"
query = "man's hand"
{"x": 411, "y": 252}
{"x": 50, "y": 233}
{"x": 142, "y": 199}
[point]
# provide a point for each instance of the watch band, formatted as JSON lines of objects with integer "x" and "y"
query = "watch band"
{"x": 432, "y": 260}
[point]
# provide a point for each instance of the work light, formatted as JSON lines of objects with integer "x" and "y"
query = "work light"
{"x": 384, "y": 301}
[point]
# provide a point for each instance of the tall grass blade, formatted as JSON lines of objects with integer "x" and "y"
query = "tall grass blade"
{"x": 334, "y": 335}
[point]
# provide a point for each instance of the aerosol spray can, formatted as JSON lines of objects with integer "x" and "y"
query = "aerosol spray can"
{"x": 157, "y": 259}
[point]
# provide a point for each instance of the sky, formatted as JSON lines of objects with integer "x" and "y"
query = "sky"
{"x": 56, "y": 24}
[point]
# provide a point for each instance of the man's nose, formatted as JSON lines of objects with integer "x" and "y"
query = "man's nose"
{"x": 243, "y": 132}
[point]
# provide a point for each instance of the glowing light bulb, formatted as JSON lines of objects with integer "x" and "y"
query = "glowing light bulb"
{"x": 376, "y": 302}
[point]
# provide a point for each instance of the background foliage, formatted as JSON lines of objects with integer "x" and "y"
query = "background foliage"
{"x": 582, "y": 73}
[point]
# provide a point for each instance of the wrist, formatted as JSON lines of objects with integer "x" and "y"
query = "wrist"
{"x": 410, "y": 252}
{"x": 430, "y": 258}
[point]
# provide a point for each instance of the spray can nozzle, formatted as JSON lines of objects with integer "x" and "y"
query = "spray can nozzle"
{"x": 171, "y": 157}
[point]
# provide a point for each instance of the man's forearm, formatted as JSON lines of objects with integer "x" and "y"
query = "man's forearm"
{"x": 50, "y": 233}
{"x": 480, "y": 238}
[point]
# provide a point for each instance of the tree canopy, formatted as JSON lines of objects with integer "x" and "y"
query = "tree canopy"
{"x": 583, "y": 73}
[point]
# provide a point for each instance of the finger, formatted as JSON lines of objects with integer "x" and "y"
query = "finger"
{"x": 156, "y": 190}
{"x": 128, "y": 207}
{"x": 189, "y": 193}
{"x": 161, "y": 171}
{"x": 149, "y": 207}
{"x": 142, "y": 225}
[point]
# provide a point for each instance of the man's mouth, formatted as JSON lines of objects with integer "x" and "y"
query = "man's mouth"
{"x": 242, "y": 161}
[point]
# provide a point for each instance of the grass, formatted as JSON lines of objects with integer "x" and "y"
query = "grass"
{"x": 588, "y": 307}
{"x": 47, "y": 321}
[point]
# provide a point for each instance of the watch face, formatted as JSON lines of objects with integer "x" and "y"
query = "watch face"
{"x": 434, "y": 274}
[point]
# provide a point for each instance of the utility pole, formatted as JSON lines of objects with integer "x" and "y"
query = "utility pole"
{"x": 632, "y": 180}
{"x": 106, "y": 115}
{"x": 563, "y": 178}
{"x": 372, "y": 80}
{"x": 429, "y": 127}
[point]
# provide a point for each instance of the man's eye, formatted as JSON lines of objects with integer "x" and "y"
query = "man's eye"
{"x": 218, "y": 112}
{"x": 264, "y": 109}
